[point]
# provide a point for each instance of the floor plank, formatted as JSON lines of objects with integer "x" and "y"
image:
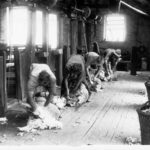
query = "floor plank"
{"x": 109, "y": 118}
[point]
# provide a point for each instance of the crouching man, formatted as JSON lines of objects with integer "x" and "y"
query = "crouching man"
{"x": 41, "y": 88}
{"x": 94, "y": 59}
{"x": 111, "y": 59}
{"x": 74, "y": 86}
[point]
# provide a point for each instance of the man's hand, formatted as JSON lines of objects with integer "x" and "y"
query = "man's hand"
{"x": 68, "y": 97}
{"x": 31, "y": 100}
{"x": 111, "y": 72}
{"x": 36, "y": 112}
{"x": 91, "y": 82}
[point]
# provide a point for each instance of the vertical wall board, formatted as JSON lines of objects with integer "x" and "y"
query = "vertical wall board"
{"x": 89, "y": 36}
{"x": 80, "y": 33}
{"x": 60, "y": 31}
{"x": 66, "y": 41}
{"x": 22, "y": 67}
{"x": 58, "y": 65}
{"x": 3, "y": 26}
{"x": 74, "y": 28}
{"x": 3, "y": 91}
{"x": 66, "y": 55}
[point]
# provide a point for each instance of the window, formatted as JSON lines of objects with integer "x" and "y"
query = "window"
{"x": 17, "y": 26}
{"x": 53, "y": 31}
{"x": 39, "y": 28}
{"x": 114, "y": 29}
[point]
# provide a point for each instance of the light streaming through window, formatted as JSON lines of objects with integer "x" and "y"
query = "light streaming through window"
{"x": 53, "y": 31}
{"x": 17, "y": 26}
{"x": 39, "y": 28}
{"x": 114, "y": 29}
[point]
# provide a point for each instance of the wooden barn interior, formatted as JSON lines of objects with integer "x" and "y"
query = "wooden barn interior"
{"x": 49, "y": 32}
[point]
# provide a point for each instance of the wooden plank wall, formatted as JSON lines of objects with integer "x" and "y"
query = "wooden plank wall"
{"x": 2, "y": 25}
{"x": 3, "y": 91}
{"x": 22, "y": 65}
{"x": 74, "y": 32}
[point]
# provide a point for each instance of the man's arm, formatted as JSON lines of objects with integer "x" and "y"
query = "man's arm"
{"x": 88, "y": 74}
{"x": 114, "y": 68}
{"x": 52, "y": 91}
{"x": 31, "y": 91}
{"x": 97, "y": 71}
{"x": 116, "y": 54}
{"x": 31, "y": 100}
{"x": 67, "y": 88}
{"x": 107, "y": 67}
{"x": 100, "y": 67}
{"x": 110, "y": 68}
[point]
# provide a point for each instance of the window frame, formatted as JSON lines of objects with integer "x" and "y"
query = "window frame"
{"x": 39, "y": 45}
{"x": 105, "y": 28}
{"x": 57, "y": 34}
{"x": 10, "y": 30}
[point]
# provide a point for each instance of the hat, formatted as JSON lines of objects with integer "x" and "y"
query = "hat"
{"x": 118, "y": 51}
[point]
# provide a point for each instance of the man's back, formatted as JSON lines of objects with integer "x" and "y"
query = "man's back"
{"x": 108, "y": 53}
{"x": 75, "y": 59}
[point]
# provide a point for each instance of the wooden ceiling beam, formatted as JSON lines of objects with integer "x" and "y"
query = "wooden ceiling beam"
{"x": 133, "y": 6}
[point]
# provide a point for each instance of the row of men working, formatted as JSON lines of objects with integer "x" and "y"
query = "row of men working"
{"x": 83, "y": 74}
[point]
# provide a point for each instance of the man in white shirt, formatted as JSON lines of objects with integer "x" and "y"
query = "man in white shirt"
{"x": 41, "y": 76}
{"x": 111, "y": 59}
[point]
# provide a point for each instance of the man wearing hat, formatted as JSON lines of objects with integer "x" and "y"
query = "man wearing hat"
{"x": 111, "y": 59}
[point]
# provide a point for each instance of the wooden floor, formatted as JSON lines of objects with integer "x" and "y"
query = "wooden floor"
{"x": 108, "y": 119}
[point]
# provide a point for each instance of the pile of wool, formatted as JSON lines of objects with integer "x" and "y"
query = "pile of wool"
{"x": 102, "y": 76}
{"x": 60, "y": 102}
{"x": 80, "y": 97}
{"x": 84, "y": 94}
{"x": 47, "y": 118}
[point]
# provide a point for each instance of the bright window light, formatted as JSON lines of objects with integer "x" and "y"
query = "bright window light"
{"x": 39, "y": 28}
{"x": 114, "y": 29}
{"x": 17, "y": 26}
{"x": 7, "y": 26}
{"x": 53, "y": 31}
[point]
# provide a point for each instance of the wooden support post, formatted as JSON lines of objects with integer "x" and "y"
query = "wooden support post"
{"x": 134, "y": 61}
{"x": 73, "y": 35}
{"x": 66, "y": 40}
{"x": 23, "y": 60}
{"x": 45, "y": 31}
{"x": 80, "y": 33}
{"x": 30, "y": 47}
{"x": 3, "y": 91}
{"x": 60, "y": 31}
{"x": 32, "y": 35}
{"x": 18, "y": 74}
{"x": 59, "y": 66}
{"x": 89, "y": 35}
{"x": 66, "y": 55}
{"x": 50, "y": 59}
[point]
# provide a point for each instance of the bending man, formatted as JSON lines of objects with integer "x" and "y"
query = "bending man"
{"x": 41, "y": 76}
{"x": 74, "y": 76}
{"x": 92, "y": 58}
{"x": 111, "y": 59}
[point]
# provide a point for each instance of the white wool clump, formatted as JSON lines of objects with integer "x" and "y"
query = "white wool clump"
{"x": 84, "y": 94}
{"x": 45, "y": 121}
{"x": 60, "y": 102}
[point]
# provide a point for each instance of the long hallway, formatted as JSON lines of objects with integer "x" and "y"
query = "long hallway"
{"x": 108, "y": 119}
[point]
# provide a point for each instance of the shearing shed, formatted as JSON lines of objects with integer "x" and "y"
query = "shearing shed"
{"x": 74, "y": 72}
